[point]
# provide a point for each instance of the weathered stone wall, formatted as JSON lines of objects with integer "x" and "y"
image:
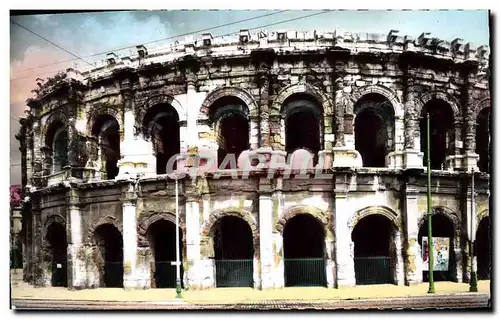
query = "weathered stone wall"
{"x": 266, "y": 74}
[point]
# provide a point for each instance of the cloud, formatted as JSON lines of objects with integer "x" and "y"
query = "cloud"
{"x": 21, "y": 84}
{"x": 81, "y": 34}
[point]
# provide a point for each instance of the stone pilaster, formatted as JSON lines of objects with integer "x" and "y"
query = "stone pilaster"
{"x": 343, "y": 152}
{"x": 399, "y": 269}
{"x": 73, "y": 144}
{"x": 471, "y": 158}
{"x": 263, "y": 82}
{"x": 193, "y": 238}
{"x": 137, "y": 154}
{"x": 330, "y": 263}
{"x": 344, "y": 247}
{"x": 129, "y": 200}
{"x": 413, "y": 256}
{"x": 266, "y": 240}
{"x": 455, "y": 161}
{"x": 76, "y": 264}
{"x": 339, "y": 113}
{"x": 458, "y": 271}
{"x": 413, "y": 156}
{"x": 192, "y": 130}
{"x": 37, "y": 242}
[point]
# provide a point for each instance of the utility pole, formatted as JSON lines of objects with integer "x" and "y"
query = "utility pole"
{"x": 429, "y": 210}
{"x": 472, "y": 241}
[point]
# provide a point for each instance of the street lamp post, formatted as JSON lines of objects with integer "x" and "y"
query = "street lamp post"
{"x": 472, "y": 241}
{"x": 178, "y": 287}
{"x": 429, "y": 211}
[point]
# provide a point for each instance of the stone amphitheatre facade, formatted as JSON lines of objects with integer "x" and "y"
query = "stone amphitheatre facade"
{"x": 99, "y": 208}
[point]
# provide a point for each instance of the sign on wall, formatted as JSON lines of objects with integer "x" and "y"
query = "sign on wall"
{"x": 441, "y": 253}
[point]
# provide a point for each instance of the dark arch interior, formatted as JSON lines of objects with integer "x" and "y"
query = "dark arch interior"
{"x": 110, "y": 244}
{"x": 230, "y": 116}
{"x": 233, "y": 250}
{"x": 233, "y": 239}
{"x": 232, "y": 137}
{"x": 303, "y": 237}
{"x": 107, "y": 129}
{"x": 161, "y": 237}
{"x": 162, "y": 124}
{"x": 56, "y": 238}
{"x": 483, "y": 249}
{"x": 372, "y": 236}
{"x": 374, "y": 250}
{"x": 441, "y": 132}
{"x": 442, "y": 226}
{"x": 303, "y": 124}
{"x": 483, "y": 139}
{"x": 369, "y": 141}
{"x": 303, "y": 248}
{"x": 57, "y": 141}
{"x": 373, "y": 129}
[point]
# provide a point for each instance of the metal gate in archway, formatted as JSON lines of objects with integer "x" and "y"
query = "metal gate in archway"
{"x": 372, "y": 270}
{"x": 305, "y": 272}
{"x": 234, "y": 273}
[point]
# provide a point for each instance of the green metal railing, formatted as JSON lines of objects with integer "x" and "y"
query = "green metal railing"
{"x": 305, "y": 272}
{"x": 234, "y": 273}
{"x": 59, "y": 274}
{"x": 372, "y": 270}
{"x": 113, "y": 274}
{"x": 16, "y": 258}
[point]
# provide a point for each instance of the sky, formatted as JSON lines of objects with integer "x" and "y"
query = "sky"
{"x": 91, "y": 35}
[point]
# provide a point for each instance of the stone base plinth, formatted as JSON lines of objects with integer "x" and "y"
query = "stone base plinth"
{"x": 132, "y": 166}
{"x": 325, "y": 159}
{"x": 395, "y": 160}
{"x": 469, "y": 162}
{"x": 346, "y": 157}
{"x": 455, "y": 162}
{"x": 413, "y": 159}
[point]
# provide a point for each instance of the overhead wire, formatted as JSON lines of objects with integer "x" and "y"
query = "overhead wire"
{"x": 54, "y": 44}
{"x": 163, "y": 39}
{"x": 218, "y": 36}
{"x": 207, "y": 29}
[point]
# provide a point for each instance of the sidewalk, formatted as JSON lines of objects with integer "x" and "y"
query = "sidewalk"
{"x": 245, "y": 295}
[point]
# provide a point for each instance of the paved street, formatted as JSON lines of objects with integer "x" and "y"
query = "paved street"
{"x": 448, "y": 295}
{"x": 463, "y": 301}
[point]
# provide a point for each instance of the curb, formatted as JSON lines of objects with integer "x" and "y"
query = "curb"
{"x": 266, "y": 301}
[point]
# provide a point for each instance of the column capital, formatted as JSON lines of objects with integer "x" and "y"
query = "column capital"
{"x": 411, "y": 193}
{"x": 129, "y": 196}
{"x": 340, "y": 193}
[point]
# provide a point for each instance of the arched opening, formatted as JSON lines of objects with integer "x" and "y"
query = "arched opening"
{"x": 230, "y": 116}
{"x": 57, "y": 142}
{"x": 483, "y": 140}
{"x": 303, "y": 117}
{"x": 107, "y": 131}
{"x": 234, "y": 251}
{"x": 110, "y": 249}
{"x": 374, "y": 250}
{"x": 161, "y": 123}
{"x": 58, "y": 245}
{"x": 441, "y": 132}
{"x": 161, "y": 238}
{"x": 443, "y": 234}
{"x": 483, "y": 249}
{"x": 303, "y": 248}
{"x": 374, "y": 129}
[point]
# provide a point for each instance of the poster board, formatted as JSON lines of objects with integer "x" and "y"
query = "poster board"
{"x": 441, "y": 253}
